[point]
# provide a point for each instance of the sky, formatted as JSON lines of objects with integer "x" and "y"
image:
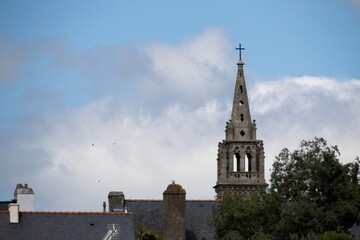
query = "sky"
{"x": 116, "y": 95}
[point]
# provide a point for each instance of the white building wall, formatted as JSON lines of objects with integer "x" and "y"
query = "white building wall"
{"x": 26, "y": 201}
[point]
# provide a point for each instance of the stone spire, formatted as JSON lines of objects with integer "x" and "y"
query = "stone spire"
{"x": 240, "y": 126}
{"x": 240, "y": 155}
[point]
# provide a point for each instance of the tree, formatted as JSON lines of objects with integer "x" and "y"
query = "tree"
{"x": 317, "y": 193}
{"x": 311, "y": 193}
{"x": 144, "y": 234}
{"x": 335, "y": 236}
{"x": 238, "y": 217}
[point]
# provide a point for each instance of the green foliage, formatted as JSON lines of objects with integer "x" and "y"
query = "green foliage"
{"x": 311, "y": 193}
{"x": 143, "y": 234}
{"x": 335, "y": 236}
{"x": 317, "y": 192}
{"x": 236, "y": 216}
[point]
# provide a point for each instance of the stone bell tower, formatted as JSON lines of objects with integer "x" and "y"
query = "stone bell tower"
{"x": 240, "y": 161}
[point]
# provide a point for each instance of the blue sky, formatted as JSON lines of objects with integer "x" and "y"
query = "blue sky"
{"x": 150, "y": 82}
{"x": 298, "y": 35}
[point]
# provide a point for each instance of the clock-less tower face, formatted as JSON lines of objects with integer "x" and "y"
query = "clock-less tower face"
{"x": 240, "y": 161}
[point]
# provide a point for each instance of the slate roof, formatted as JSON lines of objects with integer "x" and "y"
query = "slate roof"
{"x": 149, "y": 215}
{"x": 355, "y": 230}
{"x": 64, "y": 225}
{"x": 93, "y": 225}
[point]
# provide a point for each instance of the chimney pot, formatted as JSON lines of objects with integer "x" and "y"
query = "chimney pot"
{"x": 104, "y": 206}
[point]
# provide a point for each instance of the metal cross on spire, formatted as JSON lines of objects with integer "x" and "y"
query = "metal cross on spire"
{"x": 240, "y": 48}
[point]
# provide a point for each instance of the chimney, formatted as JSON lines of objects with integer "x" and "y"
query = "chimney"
{"x": 14, "y": 212}
{"x": 174, "y": 212}
{"x": 25, "y": 197}
{"x": 104, "y": 206}
{"x": 116, "y": 201}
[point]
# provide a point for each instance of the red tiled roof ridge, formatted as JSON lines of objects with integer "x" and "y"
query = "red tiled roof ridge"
{"x": 201, "y": 200}
{"x": 160, "y": 200}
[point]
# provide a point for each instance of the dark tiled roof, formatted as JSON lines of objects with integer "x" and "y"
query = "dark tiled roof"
{"x": 64, "y": 225}
{"x": 93, "y": 225}
{"x": 198, "y": 214}
{"x": 149, "y": 214}
{"x": 146, "y": 213}
{"x": 355, "y": 230}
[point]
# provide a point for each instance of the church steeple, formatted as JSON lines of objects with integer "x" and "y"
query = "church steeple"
{"x": 240, "y": 126}
{"x": 240, "y": 155}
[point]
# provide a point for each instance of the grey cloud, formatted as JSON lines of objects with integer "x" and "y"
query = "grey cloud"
{"x": 13, "y": 57}
{"x": 156, "y": 72}
{"x": 151, "y": 76}
{"x": 20, "y": 165}
{"x": 356, "y": 4}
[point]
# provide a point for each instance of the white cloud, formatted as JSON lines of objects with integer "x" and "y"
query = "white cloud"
{"x": 134, "y": 152}
{"x": 160, "y": 113}
{"x": 296, "y": 108}
{"x": 193, "y": 68}
{"x": 140, "y": 152}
